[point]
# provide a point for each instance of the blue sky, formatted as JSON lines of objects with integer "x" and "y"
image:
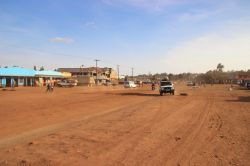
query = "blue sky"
{"x": 149, "y": 35}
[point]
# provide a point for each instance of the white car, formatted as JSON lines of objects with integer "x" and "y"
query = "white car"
{"x": 129, "y": 84}
{"x": 190, "y": 83}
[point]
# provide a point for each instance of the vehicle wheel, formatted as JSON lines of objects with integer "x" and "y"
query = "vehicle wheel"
{"x": 161, "y": 93}
{"x": 173, "y": 93}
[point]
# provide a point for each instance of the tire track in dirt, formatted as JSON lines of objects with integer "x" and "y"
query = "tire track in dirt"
{"x": 169, "y": 130}
{"x": 92, "y": 133}
{"x": 26, "y": 136}
{"x": 158, "y": 153}
{"x": 120, "y": 153}
{"x": 163, "y": 138}
{"x": 225, "y": 120}
{"x": 51, "y": 112}
{"x": 188, "y": 143}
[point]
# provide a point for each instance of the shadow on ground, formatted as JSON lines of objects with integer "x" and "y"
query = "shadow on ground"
{"x": 9, "y": 89}
{"x": 137, "y": 94}
{"x": 241, "y": 99}
{"x": 242, "y": 88}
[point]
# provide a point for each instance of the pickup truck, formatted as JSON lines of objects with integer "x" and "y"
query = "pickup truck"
{"x": 67, "y": 83}
{"x": 166, "y": 87}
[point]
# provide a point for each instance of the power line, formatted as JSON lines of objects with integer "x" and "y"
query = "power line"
{"x": 81, "y": 69}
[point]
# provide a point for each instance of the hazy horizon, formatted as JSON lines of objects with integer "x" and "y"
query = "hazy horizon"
{"x": 156, "y": 36}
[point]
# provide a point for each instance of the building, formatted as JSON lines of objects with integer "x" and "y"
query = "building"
{"x": 42, "y": 77}
{"x": 243, "y": 78}
{"x": 89, "y": 76}
{"x": 16, "y": 76}
{"x": 66, "y": 74}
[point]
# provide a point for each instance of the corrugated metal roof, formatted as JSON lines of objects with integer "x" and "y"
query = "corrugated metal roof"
{"x": 48, "y": 73}
{"x": 71, "y": 70}
{"x": 21, "y": 72}
{"x": 17, "y": 71}
{"x": 88, "y": 69}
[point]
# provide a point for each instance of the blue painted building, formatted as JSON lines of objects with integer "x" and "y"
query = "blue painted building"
{"x": 16, "y": 76}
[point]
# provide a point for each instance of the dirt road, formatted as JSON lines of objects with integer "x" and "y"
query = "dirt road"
{"x": 112, "y": 126}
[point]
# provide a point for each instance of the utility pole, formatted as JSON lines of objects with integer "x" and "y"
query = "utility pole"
{"x": 132, "y": 74}
{"x": 96, "y": 60}
{"x": 81, "y": 68}
{"x": 118, "y": 72}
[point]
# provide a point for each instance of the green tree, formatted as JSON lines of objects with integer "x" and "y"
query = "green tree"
{"x": 220, "y": 67}
{"x": 41, "y": 68}
{"x": 171, "y": 76}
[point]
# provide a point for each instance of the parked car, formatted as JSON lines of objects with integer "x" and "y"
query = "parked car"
{"x": 248, "y": 85}
{"x": 129, "y": 84}
{"x": 108, "y": 83}
{"x": 190, "y": 83}
{"x": 166, "y": 87}
{"x": 67, "y": 83}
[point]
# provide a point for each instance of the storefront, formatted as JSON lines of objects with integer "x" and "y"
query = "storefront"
{"x": 45, "y": 76}
{"x": 16, "y": 76}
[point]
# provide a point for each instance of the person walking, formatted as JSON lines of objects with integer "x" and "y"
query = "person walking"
{"x": 51, "y": 86}
{"x": 153, "y": 86}
{"x": 48, "y": 87}
{"x": 13, "y": 84}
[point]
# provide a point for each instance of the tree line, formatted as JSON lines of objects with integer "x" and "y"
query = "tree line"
{"x": 217, "y": 75}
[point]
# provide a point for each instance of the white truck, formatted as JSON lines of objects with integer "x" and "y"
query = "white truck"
{"x": 166, "y": 87}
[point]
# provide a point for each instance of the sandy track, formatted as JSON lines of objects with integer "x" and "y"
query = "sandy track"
{"x": 26, "y": 136}
{"x": 133, "y": 127}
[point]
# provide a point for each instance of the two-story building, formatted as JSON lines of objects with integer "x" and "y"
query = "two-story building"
{"x": 92, "y": 75}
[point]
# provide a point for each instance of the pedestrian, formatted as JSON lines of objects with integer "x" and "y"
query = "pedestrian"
{"x": 48, "y": 87}
{"x": 13, "y": 84}
{"x": 153, "y": 86}
{"x": 51, "y": 87}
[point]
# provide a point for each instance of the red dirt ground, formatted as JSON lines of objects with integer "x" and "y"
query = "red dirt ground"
{"x": 116, "y": 126}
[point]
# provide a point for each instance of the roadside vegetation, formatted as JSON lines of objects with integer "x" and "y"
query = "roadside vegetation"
{"x": 217, "y": 75}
